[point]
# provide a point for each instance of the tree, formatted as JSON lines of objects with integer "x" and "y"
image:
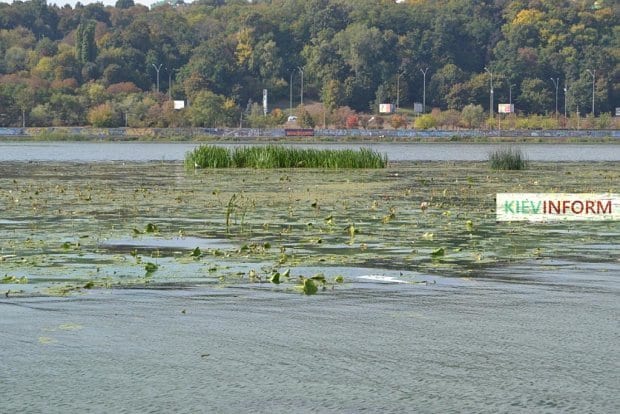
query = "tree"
{"x": 85, "y": 47}
{"x": 124, "y": 4}
{"x": 472, "y": 116}
{"x": 25, "y": 100}
{"x": 103, "y": 116}
{"x": 536, "y": 97}
{"x": 211, "y": 110}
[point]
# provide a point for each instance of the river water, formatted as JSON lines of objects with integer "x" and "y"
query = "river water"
{"x": 158, "y": 151}
{"x": 540, "y": 336}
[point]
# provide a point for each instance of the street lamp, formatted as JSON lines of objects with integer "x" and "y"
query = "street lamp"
{"x": 424, "y": 90}
{"x": 491, "y": 95}
{"x": 170, "y": 71}
{"x": 290, "y": 108}
{"x": 556, "y": 83}
{"x": 157, "y": 68}
{"x": 398, "y": 90}
{"x": 565, "y": 92}
{"x": 302, "y": 84}
{"x": 593, "y": 74}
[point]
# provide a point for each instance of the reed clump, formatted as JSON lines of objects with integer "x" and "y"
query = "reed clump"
{"x": 278, "y": 156}
{"x": 507, "y": 159}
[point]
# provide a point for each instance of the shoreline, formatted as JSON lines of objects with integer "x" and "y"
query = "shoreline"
{"x": 319, "y": 139}
{"x": 278, "y": 135}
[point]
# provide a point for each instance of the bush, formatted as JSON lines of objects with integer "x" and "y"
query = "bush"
{"x": 398, "y": 121}
{"x": 103, "y": 116}
{"x": 507, "y": 159}
{"x": 425, "y": 122}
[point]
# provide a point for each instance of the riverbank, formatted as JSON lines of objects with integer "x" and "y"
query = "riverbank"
{"x": 310, "y": 136}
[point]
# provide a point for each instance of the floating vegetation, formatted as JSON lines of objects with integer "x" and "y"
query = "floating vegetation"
{"x": 14, "y": 280}
{"x": 277, "y": 156}
{"x": 230, "y": 226}
{"x": 196, "y": 253}
{"x": 507, "y": 159}
{"x": 150, "y": 268}
{"x": 309, "y": 287}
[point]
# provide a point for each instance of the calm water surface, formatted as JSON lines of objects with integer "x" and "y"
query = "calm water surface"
{"x": 147, "y": 151}
{"x": 534, "y": 337}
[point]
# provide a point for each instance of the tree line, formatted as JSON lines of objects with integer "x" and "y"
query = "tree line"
{"x": 124, "y": 65}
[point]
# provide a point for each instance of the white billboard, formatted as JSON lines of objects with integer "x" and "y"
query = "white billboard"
{"x": 505, "y": 108}
{"x": 386, "y": 108}
{"x": 179, "y": 104}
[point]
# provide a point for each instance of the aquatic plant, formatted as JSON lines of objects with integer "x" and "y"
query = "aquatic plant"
{"x": 309, "y": 287}
{"x": 278, "y": 156}
{"x": 507, "y": 159}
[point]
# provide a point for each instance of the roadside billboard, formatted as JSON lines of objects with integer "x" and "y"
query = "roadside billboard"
{"x": 505, "y": 108}
{"x": 386, "y": 108}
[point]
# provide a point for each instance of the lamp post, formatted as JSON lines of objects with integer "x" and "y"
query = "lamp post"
{"x": 302, "y": 85}
{"x": 397, "y": 91}
{"x": 157, "y": 68}
{"x": 510, "y": 86}
{"x": 398, "y": 75}
{"x": 424, "y": 90}
{"x": 556, "y": 83}
{"x": 491, "y": 95}
{"x": 290, "y": 83}
{"x": 593, "y": 74}
{"x": 565, "y": 92}
{"x": 170, "y": 71}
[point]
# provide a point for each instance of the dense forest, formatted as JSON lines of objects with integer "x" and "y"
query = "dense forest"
{"x": 124, "y": 65}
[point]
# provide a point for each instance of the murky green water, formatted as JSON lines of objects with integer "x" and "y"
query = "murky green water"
{"x": 508, "y": 318}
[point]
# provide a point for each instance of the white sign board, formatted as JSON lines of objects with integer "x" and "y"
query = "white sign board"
{"x": 540, "y": 207}
{"x": 386, "y": 108}
{"x": 179, "y": 104}
{"x": 417, "y": 108}
{"x": 505, "y": 108}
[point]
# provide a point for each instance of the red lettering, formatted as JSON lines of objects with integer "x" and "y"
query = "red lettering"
{"x": 604, "y": 209}
{"x": 590, "y": 207}
{"x": 554, "y": 208}
{"x": 565, "y": 206}
{"x": 574, "y": 205}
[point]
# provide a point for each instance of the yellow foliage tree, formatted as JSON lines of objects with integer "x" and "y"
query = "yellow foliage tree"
{"x": 244, "y": 50}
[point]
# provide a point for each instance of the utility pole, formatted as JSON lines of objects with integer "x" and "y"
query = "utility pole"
{"x": 397, "y": 91}
{"x": 290, "y": 108}
{"x": 593, "y": 73}
{"x": 424, "y": 90}
{"x": 556, "y": 83}
{"x": 491, "y": 95}
{"x": 302, "y": 84}
{"x": 169, "y": 83}
{"x": 565, "y": 93}
{"x": 157, "y": 68}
